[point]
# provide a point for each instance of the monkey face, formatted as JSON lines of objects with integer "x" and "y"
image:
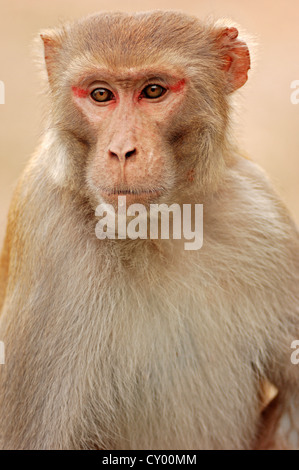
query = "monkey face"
{"x": 129, "y": 114}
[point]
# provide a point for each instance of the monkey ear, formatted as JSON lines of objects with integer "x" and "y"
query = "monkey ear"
{"x": 235, "y": 58}
{"x": 52, "y": 44}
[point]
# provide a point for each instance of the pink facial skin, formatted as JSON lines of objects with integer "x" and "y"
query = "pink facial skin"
{"x": 177, "y": 87}
{"x": 79, "y": 92}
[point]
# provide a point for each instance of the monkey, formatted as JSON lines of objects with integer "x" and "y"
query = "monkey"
{"x": 141, "y": 344}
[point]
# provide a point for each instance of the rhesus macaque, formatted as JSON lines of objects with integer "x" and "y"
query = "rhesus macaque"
{"x": 140, "y": 344}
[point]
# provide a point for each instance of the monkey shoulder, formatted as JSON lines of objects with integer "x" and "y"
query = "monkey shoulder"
{"x": 249, "y": 209}
{"x": 250, "y": 232}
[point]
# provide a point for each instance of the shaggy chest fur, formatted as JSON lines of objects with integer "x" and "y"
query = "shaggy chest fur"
{"x": 162, "y": 343}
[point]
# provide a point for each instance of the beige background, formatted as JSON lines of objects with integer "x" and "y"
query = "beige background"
{"x": 268, "y": 124}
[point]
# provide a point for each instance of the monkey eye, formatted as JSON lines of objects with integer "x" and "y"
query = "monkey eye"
{"x": 101, "y": 95}
{"x": 153, "y": 91}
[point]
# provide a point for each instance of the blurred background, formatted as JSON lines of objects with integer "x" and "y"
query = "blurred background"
{"x": 268, "y": 126}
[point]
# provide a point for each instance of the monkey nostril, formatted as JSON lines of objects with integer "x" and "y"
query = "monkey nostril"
{"x": 130, "y": 153}
{"x": 113, "y": 154}
{"x": 120, "y": 155}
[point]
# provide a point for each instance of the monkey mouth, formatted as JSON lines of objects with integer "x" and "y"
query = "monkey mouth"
{"x": 133, "y": 193}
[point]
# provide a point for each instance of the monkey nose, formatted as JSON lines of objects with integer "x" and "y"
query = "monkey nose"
{"x": 123, "y": 154}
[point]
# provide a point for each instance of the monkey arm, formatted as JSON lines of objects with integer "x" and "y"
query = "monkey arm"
{"x": 286, "y": 432}
{"x": 5, "y": 254}
{"x": 279, "y": 424}
{"x": 3, "y": 271}
{"x": 280, "y": 419}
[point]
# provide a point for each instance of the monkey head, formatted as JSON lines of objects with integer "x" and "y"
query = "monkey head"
{"x": 140, "y": 103}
